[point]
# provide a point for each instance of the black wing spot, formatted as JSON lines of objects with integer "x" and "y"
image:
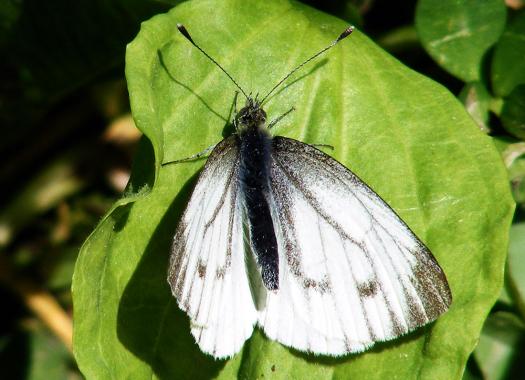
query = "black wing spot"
{"x": 201, "y": 269}
{"x": 368, "y": 289}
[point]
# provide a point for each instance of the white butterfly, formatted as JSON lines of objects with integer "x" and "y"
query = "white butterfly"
{"x": 279, "y": 234}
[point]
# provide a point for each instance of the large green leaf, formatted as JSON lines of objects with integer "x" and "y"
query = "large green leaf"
{"x": 458, "y": 33}
{"x": 405, "y": 135}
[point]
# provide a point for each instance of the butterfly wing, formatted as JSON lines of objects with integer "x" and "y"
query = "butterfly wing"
{"x": 207, "y": 272}
{"x": 352, "y": 272}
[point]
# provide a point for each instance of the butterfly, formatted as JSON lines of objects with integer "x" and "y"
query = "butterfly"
{"x": 280, "y": 235}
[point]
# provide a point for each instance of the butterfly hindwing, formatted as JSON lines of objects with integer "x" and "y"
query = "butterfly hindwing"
{"x": 351, "y": 271}
{"x": 207, "y": 272}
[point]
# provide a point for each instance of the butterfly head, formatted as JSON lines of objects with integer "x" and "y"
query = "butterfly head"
{"x": 251, "y": 115}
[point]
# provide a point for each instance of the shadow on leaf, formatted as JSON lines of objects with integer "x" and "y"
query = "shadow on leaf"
{"x": 376, "y": 349}
{"x": 150, "y": 324}
{"x": 188, "y": 88}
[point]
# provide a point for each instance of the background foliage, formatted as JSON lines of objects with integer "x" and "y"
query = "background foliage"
{"x": 63, "y": 102}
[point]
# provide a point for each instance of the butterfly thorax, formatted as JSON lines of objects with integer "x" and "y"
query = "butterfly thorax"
{"x": 255, "y": 147}
{"x": 250, "y": 117}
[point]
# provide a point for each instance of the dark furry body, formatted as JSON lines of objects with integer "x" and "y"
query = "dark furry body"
{"x": 255, "y": 144}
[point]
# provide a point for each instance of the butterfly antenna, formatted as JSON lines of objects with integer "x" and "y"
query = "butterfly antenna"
{"x": 184, "y": 32}
{"x": 343, "y": 35}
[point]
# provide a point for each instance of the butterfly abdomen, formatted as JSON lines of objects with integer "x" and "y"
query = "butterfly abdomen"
{"x": 255, "y": 155}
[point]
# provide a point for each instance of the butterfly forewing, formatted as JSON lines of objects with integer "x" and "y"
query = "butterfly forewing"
{"x": 352, "y": 272}
{"x": 207, "y": 272}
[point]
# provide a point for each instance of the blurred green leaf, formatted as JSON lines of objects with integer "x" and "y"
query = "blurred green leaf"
{"x": 500, "y": 349}
{"x": 62, "y": 270}
{"x": 505, "y": 298}
{"x": 348, "y": 10}
{"x": 458, "y": 33}
{"x": 32, "y": 353}
{"x": 400, "y": 39}
{"x": 472, "y": 371}
{"x": 508, "y": 63}
{"x": 516, "y": 266}
{"x": 502, "y": 142}
{"x": 405, "y": 135}
{"x": 477, "y": 99}
{"x": 510, "y": 148}
{"x": 514, "y": 155}
{"x": 49, "y": 358}
{"x": 513, "y": 112}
